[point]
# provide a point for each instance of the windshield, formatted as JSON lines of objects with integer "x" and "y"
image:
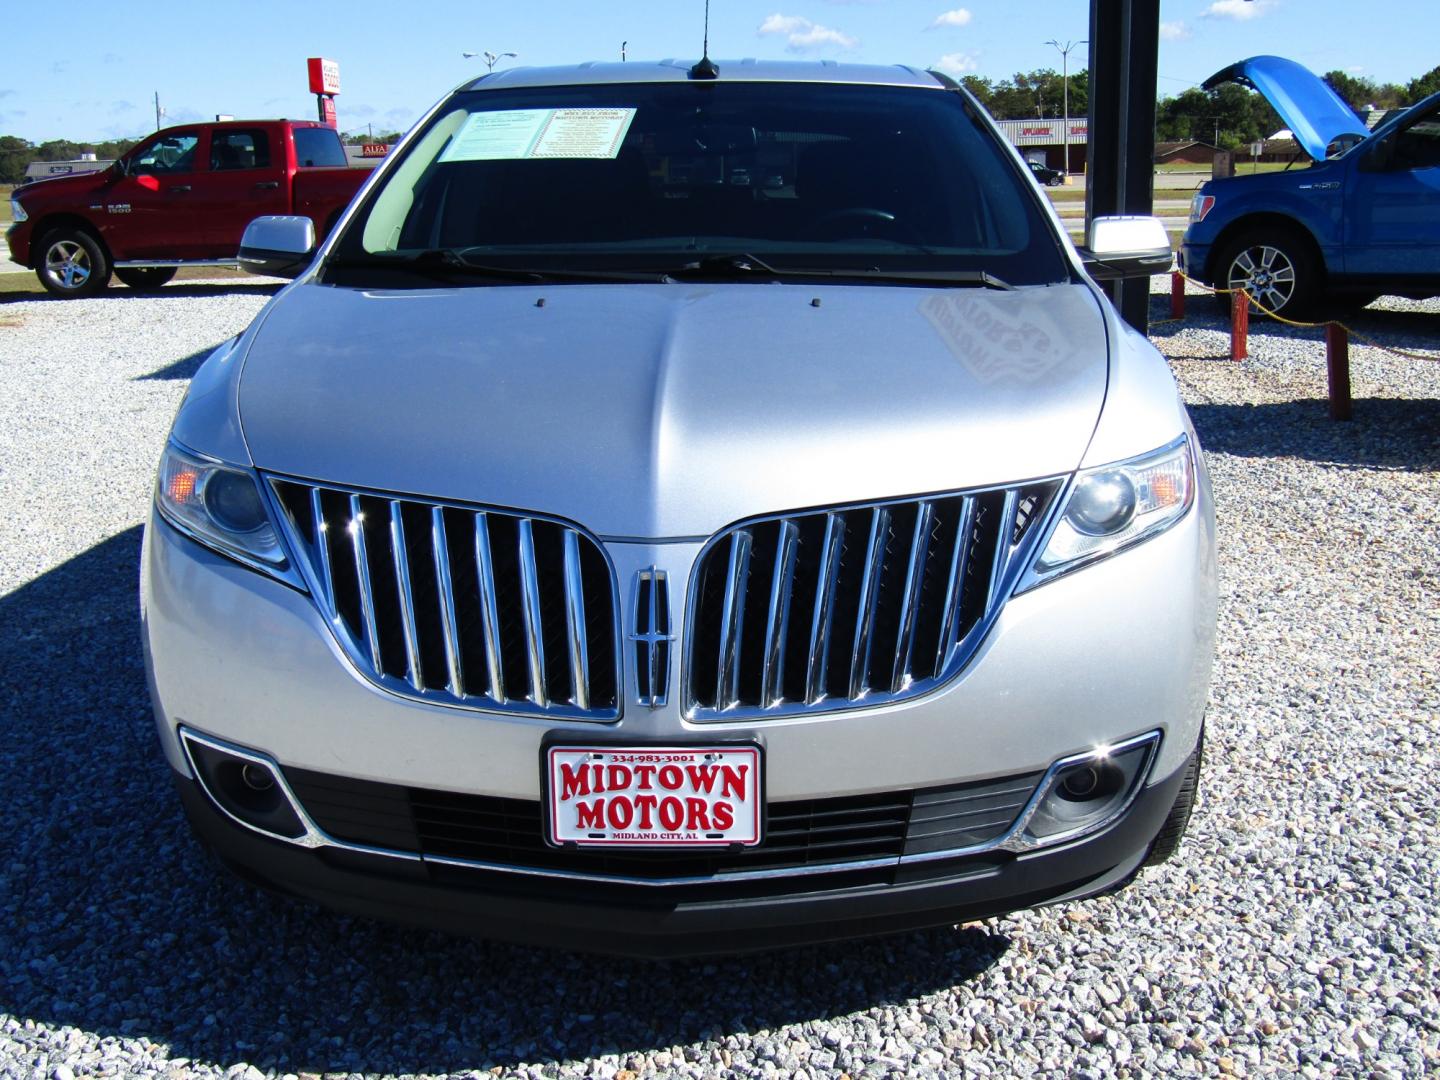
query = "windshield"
{"x": 660, "y": 176}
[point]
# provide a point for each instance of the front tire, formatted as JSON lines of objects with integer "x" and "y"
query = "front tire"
{"x": 1276, "y": 266}
{"x": 72, "y": 264}
{"x": 1167, "y": 841}
{"x": 146, "y": 279}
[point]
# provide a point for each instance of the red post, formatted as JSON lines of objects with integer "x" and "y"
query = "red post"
{"x": 1337, "y": 363}
{"x": 1177, "y": 295}
{"x": 1239, "y": 324}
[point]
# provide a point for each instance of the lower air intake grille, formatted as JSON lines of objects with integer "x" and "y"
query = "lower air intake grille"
{"x": 483, "y": 608}
{"x": 798, "y": 834}
{"x": 854, "y": 606}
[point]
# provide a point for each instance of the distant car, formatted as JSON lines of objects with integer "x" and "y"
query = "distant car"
{"x": 1047, "y": 176}
{"x": 1362, "y": 220}
{"x": 593, "y": 550}
{"x": 181, "y": 198}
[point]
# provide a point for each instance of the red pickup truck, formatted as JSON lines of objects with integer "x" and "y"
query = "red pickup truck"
{"x": 181, "y": 198}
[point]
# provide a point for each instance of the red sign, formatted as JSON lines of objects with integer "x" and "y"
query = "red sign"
{"x": 327, "y": 110}
{"x": 374, "y": 149}
{"x": 1046, "y": 130}
{"x": 324, "y": 75}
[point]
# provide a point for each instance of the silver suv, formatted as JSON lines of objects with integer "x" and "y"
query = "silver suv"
{"x": 683, "y": 511}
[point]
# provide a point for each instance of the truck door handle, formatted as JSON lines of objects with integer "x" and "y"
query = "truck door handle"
{"x": 267, "y": 185}
{"x": 179, "y": 188}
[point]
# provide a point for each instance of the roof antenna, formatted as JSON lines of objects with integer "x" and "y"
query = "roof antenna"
{"x": 705, "y": 68}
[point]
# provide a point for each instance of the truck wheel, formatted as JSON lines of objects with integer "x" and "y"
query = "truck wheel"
{"x": 72, "y": 264}
{"x": 145, "y": 280}
{"x": 1167, "y": 841}
{"x": 1275, "y": 266}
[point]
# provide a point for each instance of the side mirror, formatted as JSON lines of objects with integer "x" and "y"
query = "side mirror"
{"x": 277, "y": 246}
{"x": 1377, "y": 158}
{"x": 1126, "y": 247}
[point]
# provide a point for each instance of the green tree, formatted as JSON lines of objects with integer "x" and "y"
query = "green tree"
{"x": 1360, "y": 93}
{"x": 1423, "y": 86}
{"x": 15, "y": 154}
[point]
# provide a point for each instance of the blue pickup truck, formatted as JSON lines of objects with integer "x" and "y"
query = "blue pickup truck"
{"x": 1361, "y": 220}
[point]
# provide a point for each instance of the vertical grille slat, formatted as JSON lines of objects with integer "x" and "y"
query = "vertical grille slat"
{"x": 910, "y": 598}
{"x": 869, "y": 597}
{"x": 400, "y": 553}
{"x": 575, "y": 623}
{"x": 489, "y": 608}
{"x": 360, "y": 546}
{"x": 829, "y": 575}
{"x": 483, "y": 608}
{"x": 732, "y": 620}
{"x": 449, "y": 621}
{"x": 530, "y": 610}
{"x": 777, "y": 621}
{"x": 894, "y": 597}
{"x": 953, "y": 590}
{"x": 1003, "y": 548}
{"x": 322, "y": 550}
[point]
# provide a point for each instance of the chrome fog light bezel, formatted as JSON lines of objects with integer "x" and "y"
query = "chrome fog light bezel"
{"x": 1019, "y": 839}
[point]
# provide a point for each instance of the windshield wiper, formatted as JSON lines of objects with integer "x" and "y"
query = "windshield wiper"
{"x": 447, "y": 262}
{"x": 981, "y": 279}
{"x": 744, "y": 265}
{"x": 741, "y": 264}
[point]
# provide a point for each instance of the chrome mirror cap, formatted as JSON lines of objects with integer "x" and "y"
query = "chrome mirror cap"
{"x": 280, "y": 246}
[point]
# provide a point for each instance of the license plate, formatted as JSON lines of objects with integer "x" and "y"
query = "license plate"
{"x": 683, "y": 797}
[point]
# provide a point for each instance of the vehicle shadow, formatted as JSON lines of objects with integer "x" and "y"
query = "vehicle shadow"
{"x": 113, "y": 921}
{"x": 1385, "y": 433}
{"x": 179, "y": 290}
{"x": 183, "y": 368}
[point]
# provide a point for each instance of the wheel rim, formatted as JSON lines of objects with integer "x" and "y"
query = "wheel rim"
{"x": 1266, "y": 273}
{"x": 68, "y": 264}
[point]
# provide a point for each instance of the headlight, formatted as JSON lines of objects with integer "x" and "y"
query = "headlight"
{"x": 222, "y": 507}
{"x": 1114, "y": 506}
{"x": 17, "y": 212}
{"x": 1200, "y": 205}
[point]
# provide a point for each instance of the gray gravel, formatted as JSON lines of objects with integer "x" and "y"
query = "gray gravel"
{"x": 1298, "y": 932}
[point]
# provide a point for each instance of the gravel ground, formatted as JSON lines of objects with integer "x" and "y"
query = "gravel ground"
{"x": 1298, "y": 932}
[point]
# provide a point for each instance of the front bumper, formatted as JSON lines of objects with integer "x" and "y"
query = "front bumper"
{"x": 672, "y": 922}
{"x": 17, "y": 238}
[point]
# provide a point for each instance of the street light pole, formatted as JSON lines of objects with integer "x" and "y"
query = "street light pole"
{"x": 1065, "y": 79}
{"x": 490, "y": 58}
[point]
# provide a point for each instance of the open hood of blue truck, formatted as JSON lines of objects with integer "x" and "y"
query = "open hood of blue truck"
{"x": 1314, "y": 113}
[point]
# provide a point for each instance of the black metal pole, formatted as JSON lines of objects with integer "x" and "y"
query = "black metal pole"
{"x": 1124, "y": 53}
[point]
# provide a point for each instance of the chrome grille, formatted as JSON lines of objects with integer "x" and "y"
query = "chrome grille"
{"x": 853, "y": 606}
{"x": 477, "y": 607}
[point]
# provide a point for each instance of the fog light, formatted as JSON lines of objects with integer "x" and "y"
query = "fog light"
{"x": 1090, "y": 791}
{"x": 245, "y": 787}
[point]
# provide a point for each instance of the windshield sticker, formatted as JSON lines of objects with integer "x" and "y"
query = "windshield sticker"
{"x": 520, "y": 134}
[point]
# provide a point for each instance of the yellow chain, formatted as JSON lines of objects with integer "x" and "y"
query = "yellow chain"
{"x": 1303, "y": 325}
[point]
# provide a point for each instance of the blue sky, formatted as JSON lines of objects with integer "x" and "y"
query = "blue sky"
{"x": 87, "y": 70}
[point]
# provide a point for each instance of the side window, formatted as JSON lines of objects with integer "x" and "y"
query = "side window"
{"x": 239, "y": 149}
{"x": 168, "y": 154}
{"x": 318, "y": 147}
{"x": 1418, "y": 146}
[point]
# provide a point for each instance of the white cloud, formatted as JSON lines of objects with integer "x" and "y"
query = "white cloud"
{"x": 1239, "y": 10}
{"x": 956, "y": 64}
{"x": 1174, "y": 31}
{"x": 958, "y": 17}
{"x": 802, "y": 35}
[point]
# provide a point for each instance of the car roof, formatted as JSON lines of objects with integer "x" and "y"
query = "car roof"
{"x": 751, "y": 70}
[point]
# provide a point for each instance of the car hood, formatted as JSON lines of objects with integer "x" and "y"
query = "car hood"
{"x": 664, "y": 411}
{"x": 60, "y": 186}
{"x": 1313, "y": 112}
